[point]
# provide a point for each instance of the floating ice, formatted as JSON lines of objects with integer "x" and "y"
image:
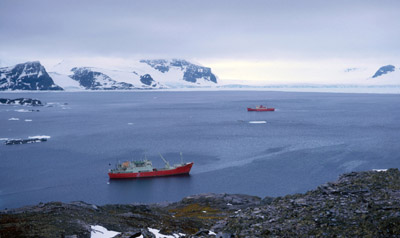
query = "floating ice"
{"x": 102, "y": 232}
{"x": 13, "y": 119}
{"x": 257, "y": 122}
{"x": 130, "y": 123}
{"x": 39, "y": 137}
{"x": 28, "y": 119}
{"x": 22, "y": 110}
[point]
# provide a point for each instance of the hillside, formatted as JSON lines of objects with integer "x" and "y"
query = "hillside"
{"x": 359, "y": 204}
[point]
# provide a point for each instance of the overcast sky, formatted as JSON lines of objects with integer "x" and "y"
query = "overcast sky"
{"x": 232, "y": 37}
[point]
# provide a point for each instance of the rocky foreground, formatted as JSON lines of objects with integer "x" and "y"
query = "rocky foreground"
{"x": 359, "y": 204}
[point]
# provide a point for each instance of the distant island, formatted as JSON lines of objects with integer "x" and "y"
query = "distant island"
{"x": 359, "y": 204}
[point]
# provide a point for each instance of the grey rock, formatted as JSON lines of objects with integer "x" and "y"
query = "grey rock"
{"x": 384, "y": 70}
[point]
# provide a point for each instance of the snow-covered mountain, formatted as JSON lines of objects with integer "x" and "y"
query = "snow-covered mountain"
{"x": 140, "y": 74}
{"x": 92, "y": 79}
{"x": 26, "y": 76}
{"x": 191, "y": 72}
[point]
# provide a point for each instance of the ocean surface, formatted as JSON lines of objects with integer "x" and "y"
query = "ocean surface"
{"x": 310, "y": 139}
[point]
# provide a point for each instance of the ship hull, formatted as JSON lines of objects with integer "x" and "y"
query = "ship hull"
{"x": 185, "y": 169}
{"x": 260, "y": 109}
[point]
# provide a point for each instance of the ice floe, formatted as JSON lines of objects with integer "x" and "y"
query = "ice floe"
{"x": 13, "y": 119}
{"x": 22, "y": 110}
{"x": 257, "y": 122}
{"x": 28, "y": 119}
{"x": 39, "y": 137}
{"x": 102, "y": 232}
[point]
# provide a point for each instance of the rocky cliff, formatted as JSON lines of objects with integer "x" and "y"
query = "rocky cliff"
{"x": 362, "y": 204}
{"x": 26, "y": 76}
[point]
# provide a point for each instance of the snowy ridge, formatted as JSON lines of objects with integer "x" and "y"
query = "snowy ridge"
{"x": 134, "y": 74}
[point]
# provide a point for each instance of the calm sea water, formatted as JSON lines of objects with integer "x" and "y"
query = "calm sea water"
{"x": 312, "y": 138}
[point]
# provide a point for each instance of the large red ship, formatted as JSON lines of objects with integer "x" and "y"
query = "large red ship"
{"x": 260, "y": 108}
{"x": 144, "y": 169}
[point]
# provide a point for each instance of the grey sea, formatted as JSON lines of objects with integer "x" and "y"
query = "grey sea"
{"x": 309, "y": 140}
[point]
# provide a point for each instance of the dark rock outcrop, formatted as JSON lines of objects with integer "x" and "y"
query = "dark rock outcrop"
{"x": 21, "y": 101}
{"x": 148, "y": 80}
{"x": 26, "y": 76}
{"x": 93, "y": 80}
{"x": 160, "y": 64}
{"x": 24, "y": 141}
{"x": 359, "y": 204}
{"x": 384, "y": 70}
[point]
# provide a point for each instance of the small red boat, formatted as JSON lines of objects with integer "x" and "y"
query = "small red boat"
{"x": 144, "y": 169}
{"x": 261, "y": 108}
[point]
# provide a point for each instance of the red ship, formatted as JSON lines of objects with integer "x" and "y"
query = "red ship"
{"x": 144, "y": 169}
{"x": 261, "y": 108}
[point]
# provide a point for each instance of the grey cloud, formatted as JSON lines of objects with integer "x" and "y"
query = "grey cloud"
{"x": 246, "y": 29}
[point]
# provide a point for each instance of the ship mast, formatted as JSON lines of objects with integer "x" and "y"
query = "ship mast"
{"x": 181, "y": 158}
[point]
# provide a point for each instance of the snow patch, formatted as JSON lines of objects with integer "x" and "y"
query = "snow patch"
{"x": 102, "y": 232}
{"x": 159, "y": 235}
{"x": 379, "y": 170}
{"x": 4, "y": 139}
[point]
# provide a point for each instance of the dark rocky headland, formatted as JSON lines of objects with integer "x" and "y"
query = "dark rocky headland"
{"x": 359, "y": 204}
{"x": 21, "y": 101}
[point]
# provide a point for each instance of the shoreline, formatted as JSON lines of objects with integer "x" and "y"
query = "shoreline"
{"x": 347, "y": 89}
